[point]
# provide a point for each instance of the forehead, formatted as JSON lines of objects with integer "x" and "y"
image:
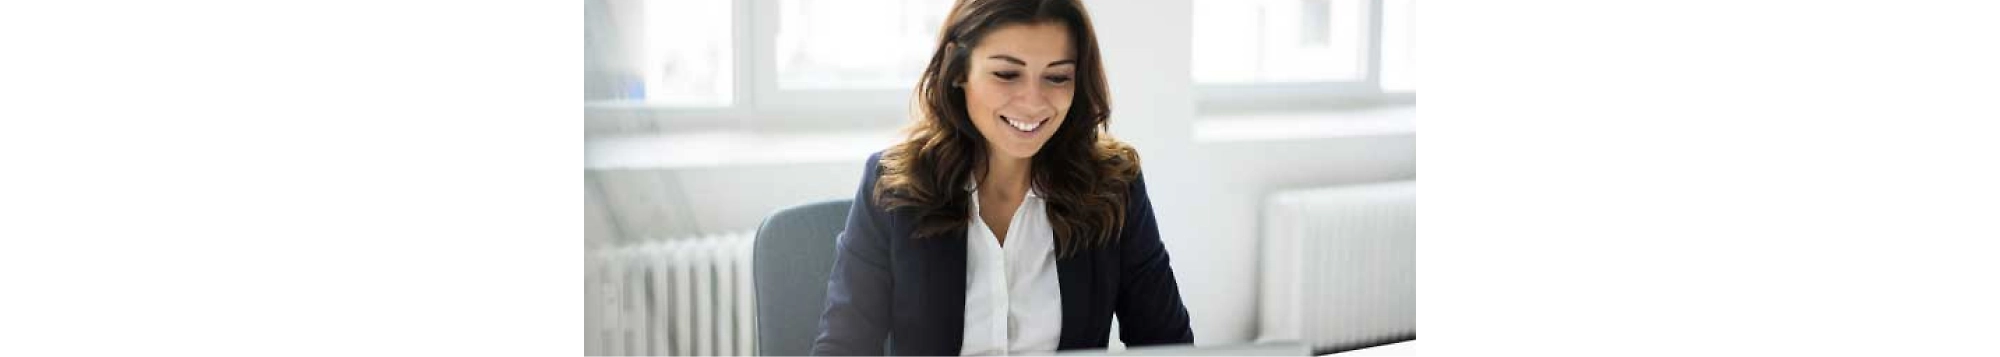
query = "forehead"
{"x": 1035, "y": 43}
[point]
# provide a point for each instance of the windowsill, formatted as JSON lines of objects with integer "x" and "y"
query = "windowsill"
{"x": 1303, "y": 125}
{"x": 611, "y": 119}
{"x": 732, "y": 148}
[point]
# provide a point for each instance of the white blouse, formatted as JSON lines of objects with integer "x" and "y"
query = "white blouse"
{"x": 1013, "y": 304}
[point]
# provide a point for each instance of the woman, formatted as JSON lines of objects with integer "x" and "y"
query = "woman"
{"x": 1008, "y": 222}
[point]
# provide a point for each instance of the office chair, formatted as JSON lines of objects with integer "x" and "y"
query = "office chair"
{"x": 792, "y": 258}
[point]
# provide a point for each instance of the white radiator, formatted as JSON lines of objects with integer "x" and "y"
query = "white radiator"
{"x": 678, "y": 297}
{"x": 1339, "y": 266}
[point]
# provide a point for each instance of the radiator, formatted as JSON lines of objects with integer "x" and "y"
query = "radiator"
{"x": 675, "y": 297}
{"x": 1339, "y": 266}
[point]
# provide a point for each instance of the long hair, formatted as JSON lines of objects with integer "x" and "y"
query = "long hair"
{"x": 1081, "y": 172}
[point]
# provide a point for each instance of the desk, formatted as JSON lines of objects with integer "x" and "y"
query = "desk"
{"x": 1399, "y": 349}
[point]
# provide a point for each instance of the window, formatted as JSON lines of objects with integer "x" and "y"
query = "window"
{"x": 855, "y": 44}
{"x": 677, "y": 54}
{"x": 1399, "y": 43}
{"x": 792, "y": 64}
{"x": 1254, "y": 41}
{"x": 1280, "y": 54}
{"x": 682, "y": 53}
{"x": 800, "y": 64}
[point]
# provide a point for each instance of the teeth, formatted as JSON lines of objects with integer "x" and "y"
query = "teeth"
{"x": 1022, "y": 126}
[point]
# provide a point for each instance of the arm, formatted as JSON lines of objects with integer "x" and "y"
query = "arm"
{"x": 1149, "y": 301}
{"x": 856, "y": 319}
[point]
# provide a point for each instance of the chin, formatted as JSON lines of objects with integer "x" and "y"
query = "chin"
{"x": 1020, "y": 153}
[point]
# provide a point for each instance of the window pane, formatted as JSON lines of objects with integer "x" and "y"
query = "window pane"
{"x": 1250, "y": 41}
{"x": 1399, "y": 45}
{"x": 678, "y": 53}
{"x": 856, "y": 44}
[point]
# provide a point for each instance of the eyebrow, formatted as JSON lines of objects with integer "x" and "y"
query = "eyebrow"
{"x": 1019, "y": 62}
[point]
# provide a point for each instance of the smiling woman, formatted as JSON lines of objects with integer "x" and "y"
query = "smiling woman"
{"x": 1004, "y": 88}
{"x": 1007, "y": 221}
{"x": 1014, "y": 97}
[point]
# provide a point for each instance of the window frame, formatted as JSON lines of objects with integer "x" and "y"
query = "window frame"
{"x": 860, "y": 106}
{"x": 757, "y": 102}
{"x": 1238, "y": 98}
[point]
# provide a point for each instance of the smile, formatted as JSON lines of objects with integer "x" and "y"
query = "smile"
{"x": 1021, "y": 125}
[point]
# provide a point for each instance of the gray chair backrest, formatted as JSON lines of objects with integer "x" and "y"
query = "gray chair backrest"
{"x": 793, "y": 256}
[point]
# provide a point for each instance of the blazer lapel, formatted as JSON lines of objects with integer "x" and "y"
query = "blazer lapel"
{"x": 947, "y": 285}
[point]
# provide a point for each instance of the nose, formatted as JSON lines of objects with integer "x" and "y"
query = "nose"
{"x": 1032, "y": 104}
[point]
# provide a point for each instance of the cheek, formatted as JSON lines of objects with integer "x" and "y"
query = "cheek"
{"x": 978, "y": 106}
{"x": 982, "y": 99}
{"x": 1062, "y": 99}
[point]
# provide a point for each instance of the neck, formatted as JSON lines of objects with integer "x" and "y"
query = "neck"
{"x": 1005, "y": 176}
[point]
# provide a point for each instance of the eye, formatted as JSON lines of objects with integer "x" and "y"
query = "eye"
{"x": 1007, "y": 76}
{"x": 1057, "y": 79}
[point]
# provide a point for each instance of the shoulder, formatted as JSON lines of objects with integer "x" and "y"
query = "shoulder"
{"x": 871, "y": 169}
{"x": 871, "y": 174}
{"x": 875, "y": 173}
{"x": 1119, "y": 165}
{"x": 1115, "y": 153}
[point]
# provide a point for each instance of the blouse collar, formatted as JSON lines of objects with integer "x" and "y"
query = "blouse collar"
{"x": 973, "y": 186}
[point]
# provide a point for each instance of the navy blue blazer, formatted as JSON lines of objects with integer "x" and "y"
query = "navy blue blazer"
{"x": 886, "y": 286}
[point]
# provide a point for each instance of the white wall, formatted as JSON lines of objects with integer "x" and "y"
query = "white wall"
{"x": 1206, "y": 195}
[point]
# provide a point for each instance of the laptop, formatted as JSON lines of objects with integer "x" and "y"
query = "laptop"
{"x": 1278, "y": 348}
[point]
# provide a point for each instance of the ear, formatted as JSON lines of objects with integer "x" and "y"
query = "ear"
{"x": 961, "y": 55}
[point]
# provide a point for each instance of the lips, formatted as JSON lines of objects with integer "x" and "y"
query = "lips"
{"x": 1023, "y": 126}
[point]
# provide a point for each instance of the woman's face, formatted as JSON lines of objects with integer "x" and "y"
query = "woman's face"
{"x": 1021, "y": 80}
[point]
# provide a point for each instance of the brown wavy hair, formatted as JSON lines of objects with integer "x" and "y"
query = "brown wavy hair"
{"x": 1081, "y": 172}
